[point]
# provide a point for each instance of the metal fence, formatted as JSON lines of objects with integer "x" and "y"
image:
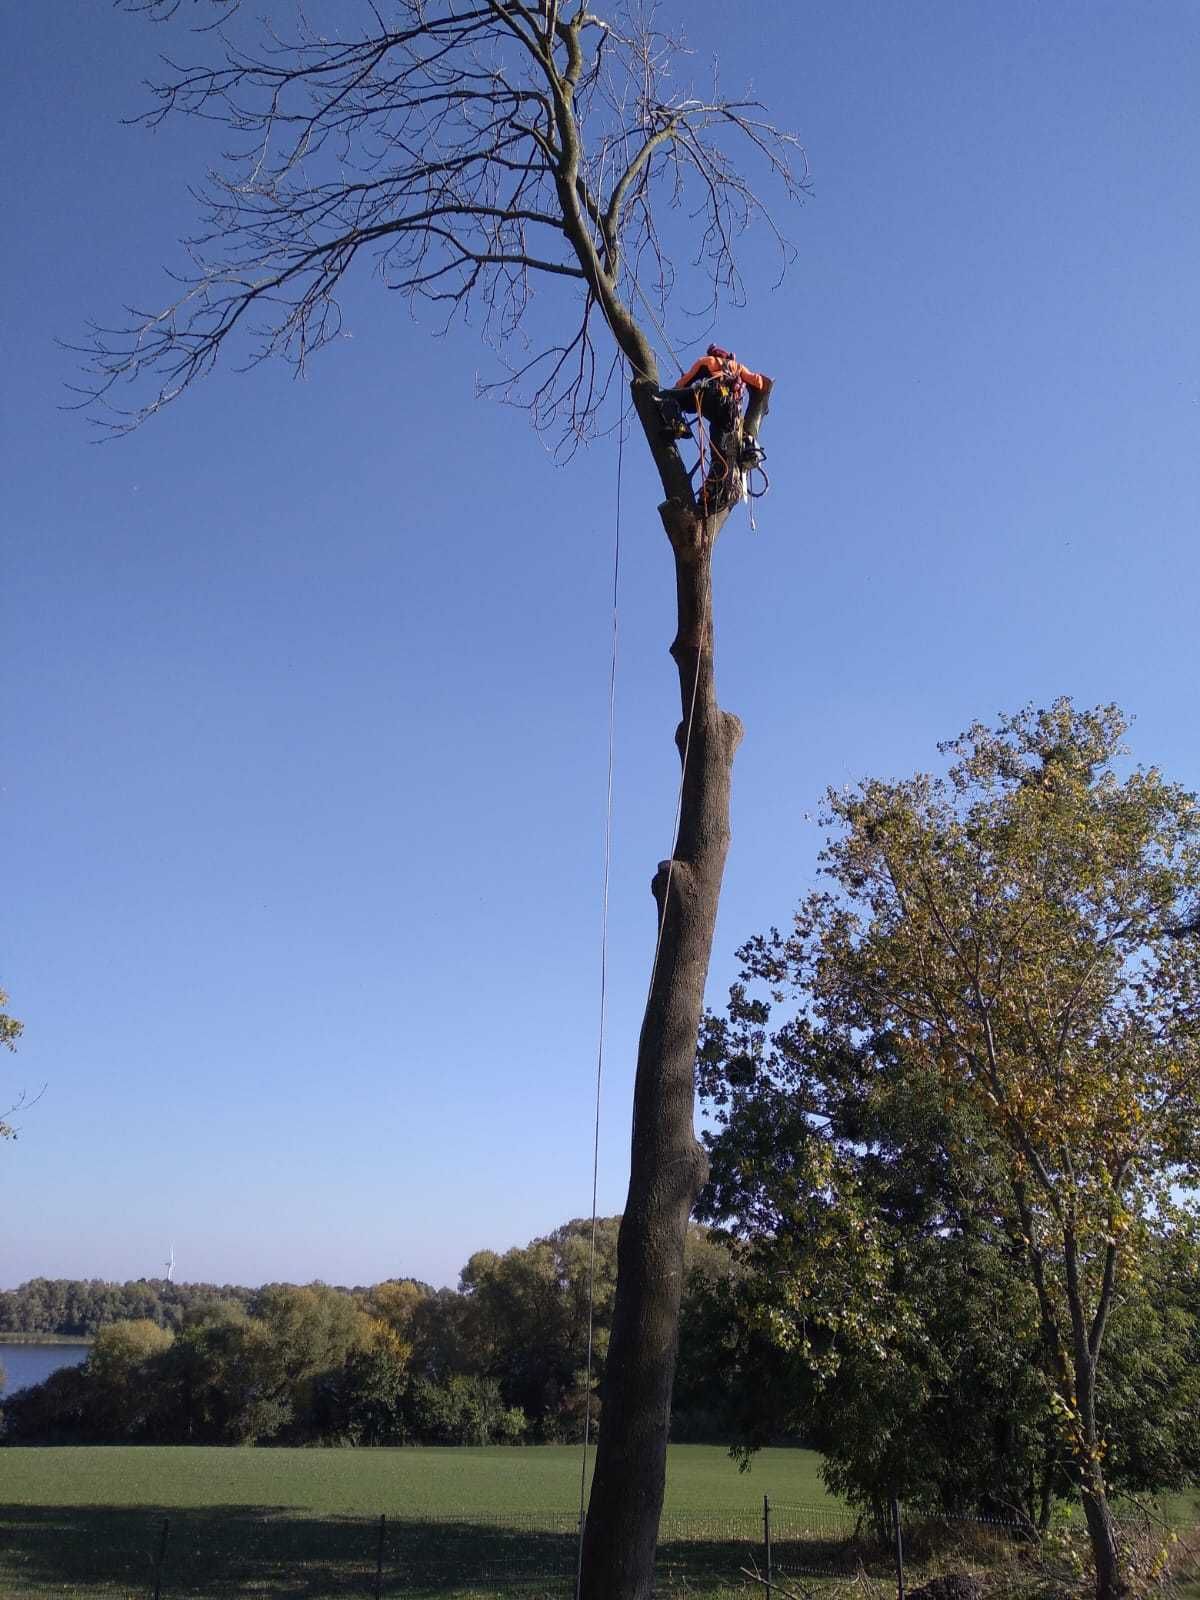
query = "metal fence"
{"x": 231, "y": 1553}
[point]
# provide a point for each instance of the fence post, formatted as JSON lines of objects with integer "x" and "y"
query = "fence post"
{"x": 159, "y": 1557}
{"x": 379, "y": 1557}
{"x": 899, "y": 1548}
{"x": 767, "y": 1540}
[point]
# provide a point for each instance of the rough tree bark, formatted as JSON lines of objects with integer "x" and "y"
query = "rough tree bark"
{"x": 668, "y": 1165}
{"x": 1076, "y": 1382}
{"x": 1112, "y": 1580}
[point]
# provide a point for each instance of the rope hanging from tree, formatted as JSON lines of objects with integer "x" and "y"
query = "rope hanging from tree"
{"x": 662, "y": 920}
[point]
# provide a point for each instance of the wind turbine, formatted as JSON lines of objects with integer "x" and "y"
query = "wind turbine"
{"x": 170, "y": 1265}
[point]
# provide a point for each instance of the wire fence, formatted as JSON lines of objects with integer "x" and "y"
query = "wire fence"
{"x": 232, "y": 1553}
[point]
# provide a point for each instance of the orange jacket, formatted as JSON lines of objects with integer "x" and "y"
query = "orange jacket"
{"x": 718, "y": 367}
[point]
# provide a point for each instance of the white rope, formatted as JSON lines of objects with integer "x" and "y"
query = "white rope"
{"x": 683, "y": 766}
{"x": 662, "y": 923}
{"x": 656, "y": 322}
{"x": 608, "y": 814}
{"x": 687, "y": 741}
{"x": 612, "y": 697}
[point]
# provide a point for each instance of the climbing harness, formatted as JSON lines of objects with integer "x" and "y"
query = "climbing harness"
{"x": 714, "y": 387}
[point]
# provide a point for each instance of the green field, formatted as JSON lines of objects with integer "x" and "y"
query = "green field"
{"x": 412, "y": 1482}
{"x": 305, "y": 1524}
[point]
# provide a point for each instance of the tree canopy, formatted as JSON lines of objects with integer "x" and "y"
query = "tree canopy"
{"x": 1007, "y": 943}
{"x": 468, "y": 152}
{"x": 500, "y": 1359}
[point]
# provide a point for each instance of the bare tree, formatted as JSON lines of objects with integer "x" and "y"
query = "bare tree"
{"x": 474, "y": 150}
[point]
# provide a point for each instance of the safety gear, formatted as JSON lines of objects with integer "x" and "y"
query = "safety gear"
{"x": 671, "y": 416}
{"x": 726, "y": 368}
{"x": 715, "y": 386}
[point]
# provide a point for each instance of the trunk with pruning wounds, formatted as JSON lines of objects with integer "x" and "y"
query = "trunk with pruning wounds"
{"x": 668, "y": 1165}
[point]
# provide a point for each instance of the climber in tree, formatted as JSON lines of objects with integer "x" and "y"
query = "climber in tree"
{"x": 715, "y": 387}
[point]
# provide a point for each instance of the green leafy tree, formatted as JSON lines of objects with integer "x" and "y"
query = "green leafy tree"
{"x": 393, "y": 1306}
{"x": 916, "y": 1369}
{"x": 1148, "y": 1387}
{"x": 51, "y": 1412}
{"x": 79, "y": 1307}
{"x": 380, "y": 1365}
{"x": 1018, "y": 938}
{"x": 309, "y": 1334}
{"x": 123, "y": 1394}
{"x": 439, "y": 1348}
{"x": 224, "y": 1380}
{"x": 10, "y": 1029}
{"x": 464, "y": 1410}
{"x": 366, "y": 1402}
{"x": 525, "y": 1321}
{"x": 704, "y": 1403}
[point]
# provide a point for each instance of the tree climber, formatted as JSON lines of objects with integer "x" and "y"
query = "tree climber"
{"x": 715, "y": 386}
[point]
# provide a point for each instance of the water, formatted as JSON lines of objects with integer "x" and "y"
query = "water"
{"x": 26, "y": 1364}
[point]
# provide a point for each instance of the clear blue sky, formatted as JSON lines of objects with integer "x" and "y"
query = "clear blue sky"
{"x": 305, "y": 690}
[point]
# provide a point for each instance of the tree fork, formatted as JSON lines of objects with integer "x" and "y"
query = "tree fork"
{"x": 668, "y": 1165}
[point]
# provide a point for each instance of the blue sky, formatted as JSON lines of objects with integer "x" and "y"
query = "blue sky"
{"x": 306, "y": 683}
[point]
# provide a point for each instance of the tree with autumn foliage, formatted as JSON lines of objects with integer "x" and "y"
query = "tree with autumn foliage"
{"x": 879, "y": 1306}
{"x": 1018, "y": 940}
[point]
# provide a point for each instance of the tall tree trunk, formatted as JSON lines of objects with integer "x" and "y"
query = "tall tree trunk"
{"x": 668, "y": 1165}
{"x": 1111, "y": 1582}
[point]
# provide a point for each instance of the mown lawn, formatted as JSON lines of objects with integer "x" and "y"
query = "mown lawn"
{"x": 418, "y": 1481}
{"x": 305, "y": 1524}
{"x": 402, "y": 1483}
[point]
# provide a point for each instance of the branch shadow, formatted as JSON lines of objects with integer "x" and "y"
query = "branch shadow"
{"x": 218, "y": 1551}
{"x": 233, "y": 1552}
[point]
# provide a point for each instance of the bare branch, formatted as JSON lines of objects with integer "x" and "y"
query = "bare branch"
{"x": 469, "y": 149}
{"x": 23, "y": 1102}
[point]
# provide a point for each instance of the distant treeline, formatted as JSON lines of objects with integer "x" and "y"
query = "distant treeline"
{"x": 77, "y": 1307}
{"x": 502, "y": 1359}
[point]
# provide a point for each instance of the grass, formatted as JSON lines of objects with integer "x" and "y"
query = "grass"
{"x": 304, "y": 1524}
{"x": 412, "y": 1482}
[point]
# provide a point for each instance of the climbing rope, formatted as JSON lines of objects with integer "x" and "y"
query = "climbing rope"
{"x": 666, "y": 900}
{"x": 683, "y": 766}
{"x": 654, "y": 319}
{"x": 662, "y": 922}
{"x": 608, "y": 814}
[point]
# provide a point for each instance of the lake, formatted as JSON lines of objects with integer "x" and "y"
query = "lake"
{"x": 26, "y": 1364}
